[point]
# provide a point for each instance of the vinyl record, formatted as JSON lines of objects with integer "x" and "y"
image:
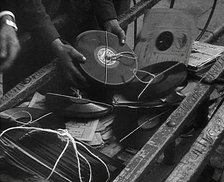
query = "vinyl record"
{"x": 169, "y": 75}
{"x": 70, "y": 106}
{"x": 108, "y": 61}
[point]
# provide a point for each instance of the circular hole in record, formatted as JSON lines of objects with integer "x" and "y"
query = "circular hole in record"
{"x": 164, "y": 41}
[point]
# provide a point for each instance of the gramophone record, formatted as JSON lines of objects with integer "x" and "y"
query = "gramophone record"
{"x": 108, "y": 61}
{"x": 168, "y": 76}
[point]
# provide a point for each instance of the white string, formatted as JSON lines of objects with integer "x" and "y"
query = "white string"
{"x": 108, "y": 172}
{"x": 122, "y": 54}
{"x": 105, "y": 58}
{"x": 142, "y": 71}
{"x": 57, "y": 161}
{"x": 20, "y": 122}
{"x": 116, "y": 57}
{"x": 150, "y": 81}
{"x": 146, "y": 121}
{"x": 62, "y": 133}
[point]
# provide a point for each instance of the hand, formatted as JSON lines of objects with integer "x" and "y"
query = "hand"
{"x": 114, "y": 27}
{"x": 69, "y": 57}
{"x": 9, "y": 46}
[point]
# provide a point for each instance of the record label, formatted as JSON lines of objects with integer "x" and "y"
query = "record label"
{"x": 102, "y": 55}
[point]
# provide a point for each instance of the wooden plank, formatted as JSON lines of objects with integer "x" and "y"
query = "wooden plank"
{"x": 141, "y": 162}
{"x": 28, "y": 86}
{"x": 134, "y": 12}
{"x": 194, "y": 161}
{"x": 1, "y": 85}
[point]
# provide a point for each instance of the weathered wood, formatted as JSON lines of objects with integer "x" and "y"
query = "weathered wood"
{"x": 134, "y": 12}
{"x": 193, "y": 162}
{"x": 141, "y": 162}
{"x": 28, "y": 86}
{"x": 1, "y": 85}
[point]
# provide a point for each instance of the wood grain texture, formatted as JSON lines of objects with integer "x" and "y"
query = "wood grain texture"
{"x": 28, "y": 86}
{"x": 193, "y": 162}
{"x": 134, "y": 12}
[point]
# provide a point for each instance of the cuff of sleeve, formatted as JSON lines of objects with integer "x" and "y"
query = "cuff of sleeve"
{"x": 9, "y": 13}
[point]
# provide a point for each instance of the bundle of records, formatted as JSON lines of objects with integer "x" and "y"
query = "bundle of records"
{"x": 38, "y": 152}
{"x": 108, "y": 62}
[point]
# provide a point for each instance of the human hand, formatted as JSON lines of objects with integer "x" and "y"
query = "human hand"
{"x": 9, "y": 46}
{"x": 69, "y": 58}
{"x": 114, "y": 27}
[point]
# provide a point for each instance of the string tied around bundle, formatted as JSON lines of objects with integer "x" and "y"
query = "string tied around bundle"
{"x": 62, "y": 133}
{"x": 116, "y": 57}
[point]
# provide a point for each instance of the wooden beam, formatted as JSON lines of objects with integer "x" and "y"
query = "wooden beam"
{"x": 28, "y": 86}
{"x": 194, "y": 161}
{"x": 143, "y": 160}
{"x": 134, "y": 12}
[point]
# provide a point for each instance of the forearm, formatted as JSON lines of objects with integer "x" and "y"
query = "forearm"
{"x": 104, "y": 10}
{"x": 37, "y": 21}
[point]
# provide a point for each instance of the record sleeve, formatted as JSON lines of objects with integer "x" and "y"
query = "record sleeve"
{"x": 166, "y": 35}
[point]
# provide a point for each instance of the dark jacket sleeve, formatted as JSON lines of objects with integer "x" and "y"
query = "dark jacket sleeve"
{"x": 104, "y": 10}
{"x": 2, "y": 5}
{"x": 37, "y": 21}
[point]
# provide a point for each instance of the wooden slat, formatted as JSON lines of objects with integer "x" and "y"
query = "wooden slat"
{"x": 28, "y": 86}
{"x": 141, "y": 162}
{"x": 1, "y": 85}
{"x": 134, "y": 12}
{"x": 193, "y": 162}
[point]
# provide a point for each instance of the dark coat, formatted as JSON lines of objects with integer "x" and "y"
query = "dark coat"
{"x": 35, "y": 17}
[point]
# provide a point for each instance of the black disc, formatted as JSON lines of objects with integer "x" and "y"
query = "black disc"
{"x": 106, "y": 69}
{"x": 169, "y": 74}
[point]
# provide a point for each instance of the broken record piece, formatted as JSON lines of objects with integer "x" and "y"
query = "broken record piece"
{"x": 70, "y": 106}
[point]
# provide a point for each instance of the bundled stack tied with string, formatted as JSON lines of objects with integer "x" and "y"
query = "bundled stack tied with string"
{"x": 37, "y": 152}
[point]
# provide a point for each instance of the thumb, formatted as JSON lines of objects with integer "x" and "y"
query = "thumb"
{"x": 121, "y": 36}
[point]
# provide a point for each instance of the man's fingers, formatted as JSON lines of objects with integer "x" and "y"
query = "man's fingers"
{"x": 77, "y": 55}
{"x": 121, "y": 36}
{"x": 67, "y": 60}
{"x": 114, "y": 27}
{"x": 3, "y": 47}
{"x": 13, "y": 48}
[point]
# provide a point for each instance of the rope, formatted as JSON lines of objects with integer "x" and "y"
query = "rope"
{"x": 116, "y": 57}
{"x": 62, "y": 133}
{"x": 155, "y": 76}
{"x": 105, "y": 57}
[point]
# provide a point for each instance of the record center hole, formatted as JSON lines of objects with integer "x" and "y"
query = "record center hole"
{"x": 106, "y": 55}
{"x": 164, "y": 41}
